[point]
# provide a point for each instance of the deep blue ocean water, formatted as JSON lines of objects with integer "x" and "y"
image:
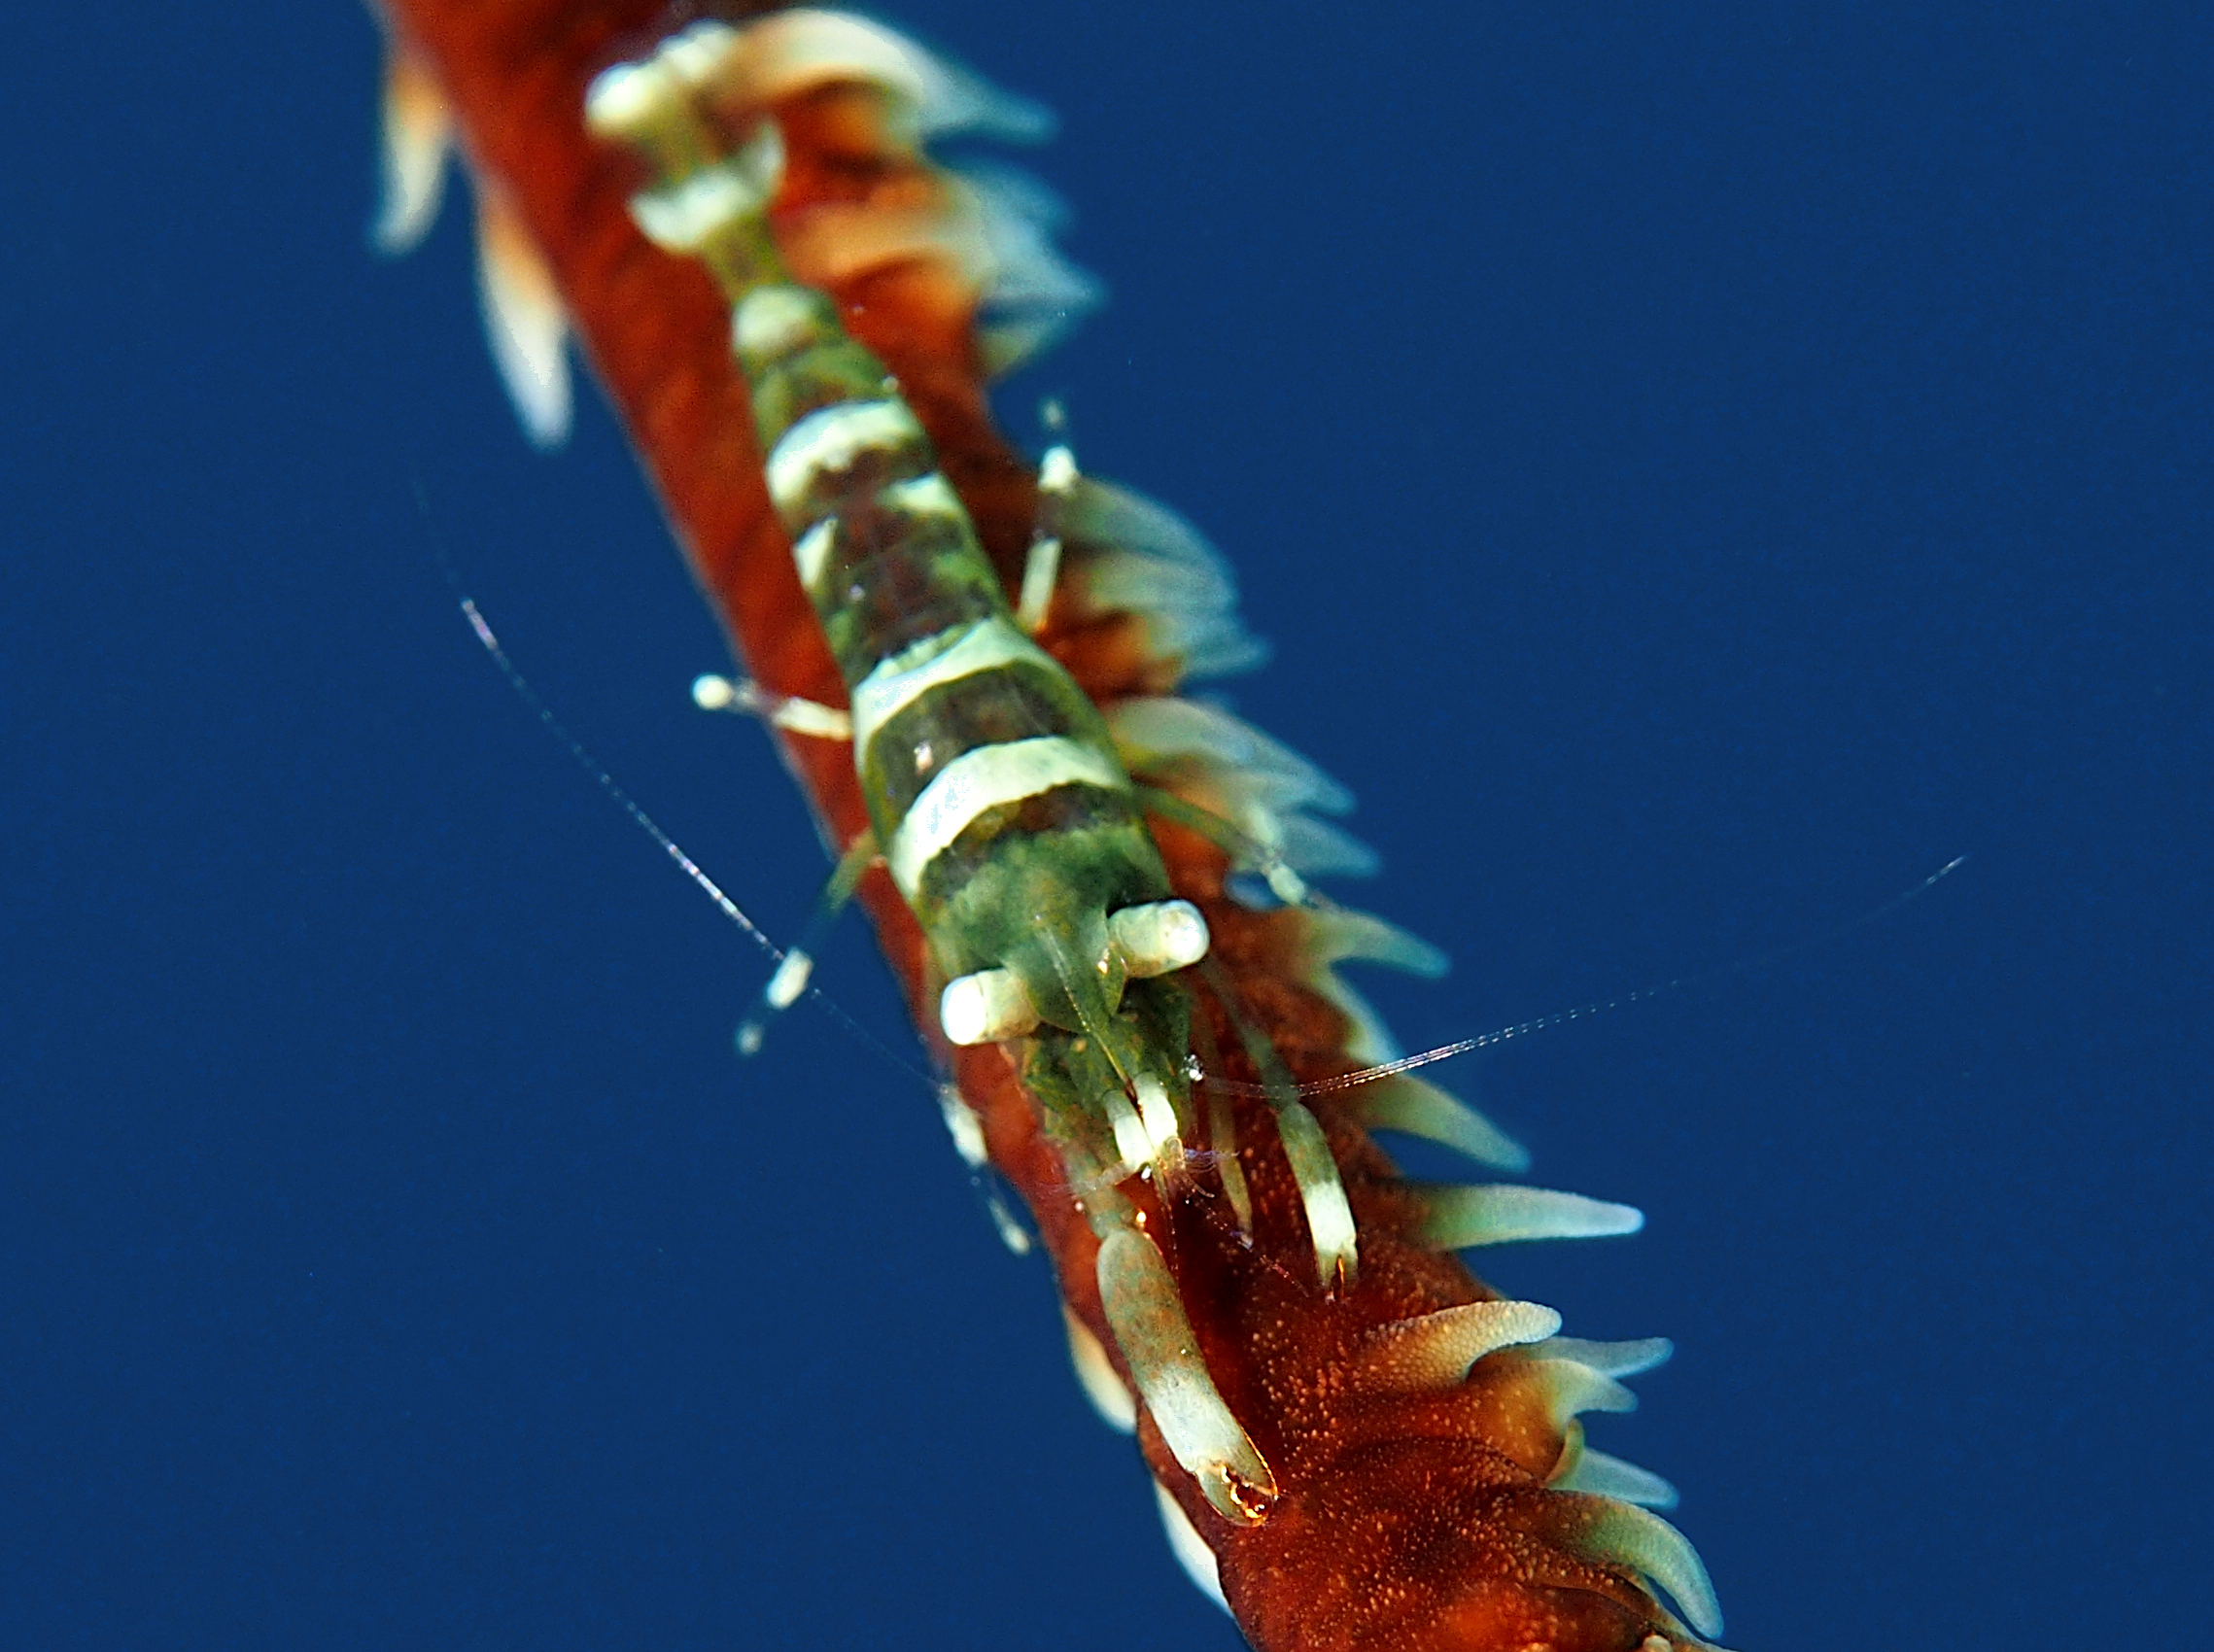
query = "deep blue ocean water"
{"x": 1701, "y": 468}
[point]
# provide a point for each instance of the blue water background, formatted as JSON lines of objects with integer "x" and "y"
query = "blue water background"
{"x": 1701, "y": 467}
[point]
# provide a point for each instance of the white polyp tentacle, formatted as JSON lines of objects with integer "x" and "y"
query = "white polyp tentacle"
{"x": 1143, "y": 558}
{"x": 418, "y": 137}
{"x": 1095, "y": 1374}
{"x": 1608, "y": 1476}
{"x": 524, "y": 321}
{"x": 1189, "y": 1547}
{"x": 1414, "y": 1107}
{"x": 1322, "y": 1195}
{"x": 1435, "y": 1350}
{"x": 1612, "y": 1359}
{"x": 964, "y": 1125}
{"x": 1621, "y": 1534}
{"x": 1570, "y": 1390}
{"x": 1459, "y": 1217}
{"x": 1144, "y": 1309}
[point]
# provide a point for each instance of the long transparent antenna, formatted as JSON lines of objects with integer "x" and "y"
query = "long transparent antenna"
{"x": 1521, "y": 1029}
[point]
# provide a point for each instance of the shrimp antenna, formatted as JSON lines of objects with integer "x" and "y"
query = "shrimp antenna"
{"x": 629, "y": 806}
{"x": 607, "y": 782}
{"x": 1520, "y": 1029}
